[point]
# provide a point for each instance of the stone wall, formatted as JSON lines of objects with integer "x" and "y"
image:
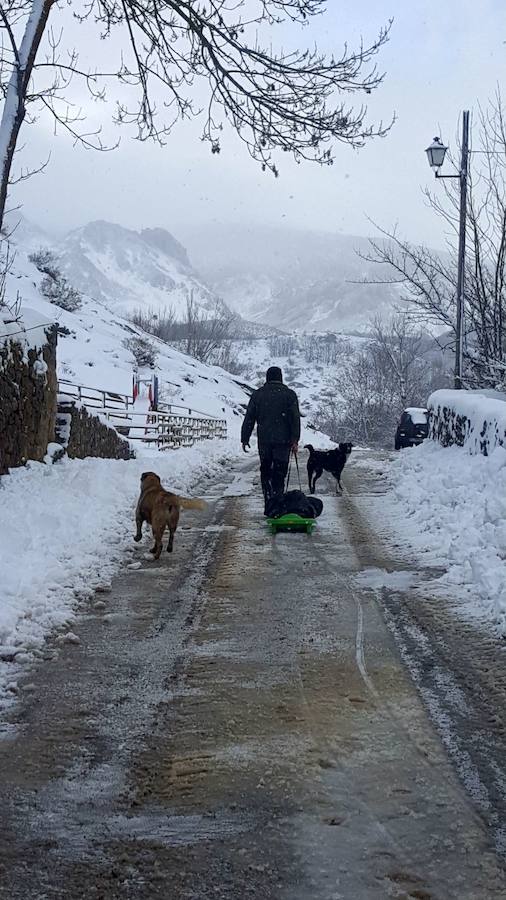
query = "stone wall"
{"x": 83, "y": 434}
{"x": 468, "y": 419}
{"x": 28, "y": 400}
{"x": 448, "y": 427}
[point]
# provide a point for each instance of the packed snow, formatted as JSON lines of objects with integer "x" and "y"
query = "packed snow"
{"x": 451, "y": 506}
{"x": 67, "y": 529}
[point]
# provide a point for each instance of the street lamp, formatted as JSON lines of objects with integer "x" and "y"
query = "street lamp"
{"x": 436, "y": 154}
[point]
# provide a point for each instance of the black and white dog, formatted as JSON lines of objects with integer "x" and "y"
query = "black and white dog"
{"x": 332, "y": 461}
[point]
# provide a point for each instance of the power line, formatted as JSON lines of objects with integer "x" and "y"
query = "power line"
{"x": 24, "y": 330}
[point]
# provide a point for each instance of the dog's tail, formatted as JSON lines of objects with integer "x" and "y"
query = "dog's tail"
{"x": 309, "y": 447}
{"x": 187, "y": 503}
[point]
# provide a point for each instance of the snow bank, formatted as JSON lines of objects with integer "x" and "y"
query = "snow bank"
{"x": 66, "y": 529}
{"x": 470, "y": 419}
{"x": 451, "y": 506}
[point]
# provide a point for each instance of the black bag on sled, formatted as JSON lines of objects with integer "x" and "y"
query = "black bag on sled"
{"x": 295, "y": 502}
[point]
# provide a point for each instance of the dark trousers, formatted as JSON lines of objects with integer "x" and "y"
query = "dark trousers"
{"x": 273, "y": 468}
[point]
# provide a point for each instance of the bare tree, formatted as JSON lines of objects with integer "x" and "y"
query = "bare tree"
{"x": 160, "y": 322}
{"x": 429, "y": 279}
{"x": 10, "y": 309}
{"x": 396, "y": 368}
{"x": 228, "y": 357}
{"x": 398, "y": 344}
{"x": 289, "y": 101}
{"x": 360, "y": 407}
{"x": 282, "y": 344}
{"x": 204, "y": 333}
{"x": 324, "y": 349}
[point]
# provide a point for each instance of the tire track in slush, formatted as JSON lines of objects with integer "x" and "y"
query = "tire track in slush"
{"x": 465, "y": 701}
{"x": 404, "y": 858}
{"x": 360, "y": 651}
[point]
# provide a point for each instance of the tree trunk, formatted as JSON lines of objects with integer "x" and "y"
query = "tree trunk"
{"x": 14, "y": 106}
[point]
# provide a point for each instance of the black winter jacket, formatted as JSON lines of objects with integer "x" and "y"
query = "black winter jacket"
{"x": 275, "y": 409}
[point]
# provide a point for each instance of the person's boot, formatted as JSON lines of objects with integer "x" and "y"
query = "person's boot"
{"x": 267, "y": 496}
{"x": 278, "y": 478}
{"x": 266, "y": 488}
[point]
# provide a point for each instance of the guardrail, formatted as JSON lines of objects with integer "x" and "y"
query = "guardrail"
{"x": 169, "y": 428}
{"x": 94, "y": 398}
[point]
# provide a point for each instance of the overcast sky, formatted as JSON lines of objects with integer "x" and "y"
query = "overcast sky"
{"x": 443, "y": 56}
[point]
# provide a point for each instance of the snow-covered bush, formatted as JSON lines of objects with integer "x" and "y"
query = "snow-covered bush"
{"x": 61, "y": 293}
{"x": 143, "y": 350}
{"x": 45, "y": 261}
{"x": 54, "y": 286}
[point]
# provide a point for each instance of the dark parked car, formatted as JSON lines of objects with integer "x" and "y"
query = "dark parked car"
{"x": 413, "y": 427}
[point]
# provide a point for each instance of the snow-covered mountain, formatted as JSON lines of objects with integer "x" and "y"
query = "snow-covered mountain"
{"x": 129, "y": 270}
{"x": 95, "y": 343}
{"x": 279, "y": 278}
{"x": 294, "y": 280}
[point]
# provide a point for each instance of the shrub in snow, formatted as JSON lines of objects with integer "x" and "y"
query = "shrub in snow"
{"x": 54, "y": 286}
{"x": 143, "y": 350}
{"x": 61, "y": 293}
{"x": 45, "y": 261}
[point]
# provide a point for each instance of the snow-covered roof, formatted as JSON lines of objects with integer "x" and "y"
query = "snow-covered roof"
{"x": 418, "y": 414}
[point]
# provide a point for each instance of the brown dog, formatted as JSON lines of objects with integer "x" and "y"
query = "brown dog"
{"x": 160, "y": 509}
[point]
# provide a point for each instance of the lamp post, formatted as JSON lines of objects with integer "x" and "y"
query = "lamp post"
{"x": 436, "y": 154}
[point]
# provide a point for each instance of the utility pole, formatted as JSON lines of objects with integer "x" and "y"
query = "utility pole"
{"x": 436, "y": 154}
{"x": 461, "y": 274}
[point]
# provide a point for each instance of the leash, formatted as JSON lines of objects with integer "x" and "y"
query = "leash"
{"x": 294, "y": 455}
{"x": 298, "y": 470}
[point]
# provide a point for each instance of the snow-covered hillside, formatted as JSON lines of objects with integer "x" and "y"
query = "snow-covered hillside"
{"x": 294, "y": 280}
{"x": 92, "y": 351}
{"x": 130, "y": 270}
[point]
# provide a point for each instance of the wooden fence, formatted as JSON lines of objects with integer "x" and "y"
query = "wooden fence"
{"x": 170, "y": 427}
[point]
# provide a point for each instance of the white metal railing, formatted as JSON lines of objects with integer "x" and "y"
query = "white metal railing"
{"x": 169, "y": 428}
{"x": 94, "y": 398}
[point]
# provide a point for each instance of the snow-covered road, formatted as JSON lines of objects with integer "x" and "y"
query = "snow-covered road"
{"x": 66, "y": 530}
{"x": 237, "y": 721}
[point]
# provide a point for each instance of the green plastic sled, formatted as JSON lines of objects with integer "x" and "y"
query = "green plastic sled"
{"x": 291, "y": 522}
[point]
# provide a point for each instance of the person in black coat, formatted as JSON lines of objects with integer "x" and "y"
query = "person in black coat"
{"x": 274, "y": 408}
